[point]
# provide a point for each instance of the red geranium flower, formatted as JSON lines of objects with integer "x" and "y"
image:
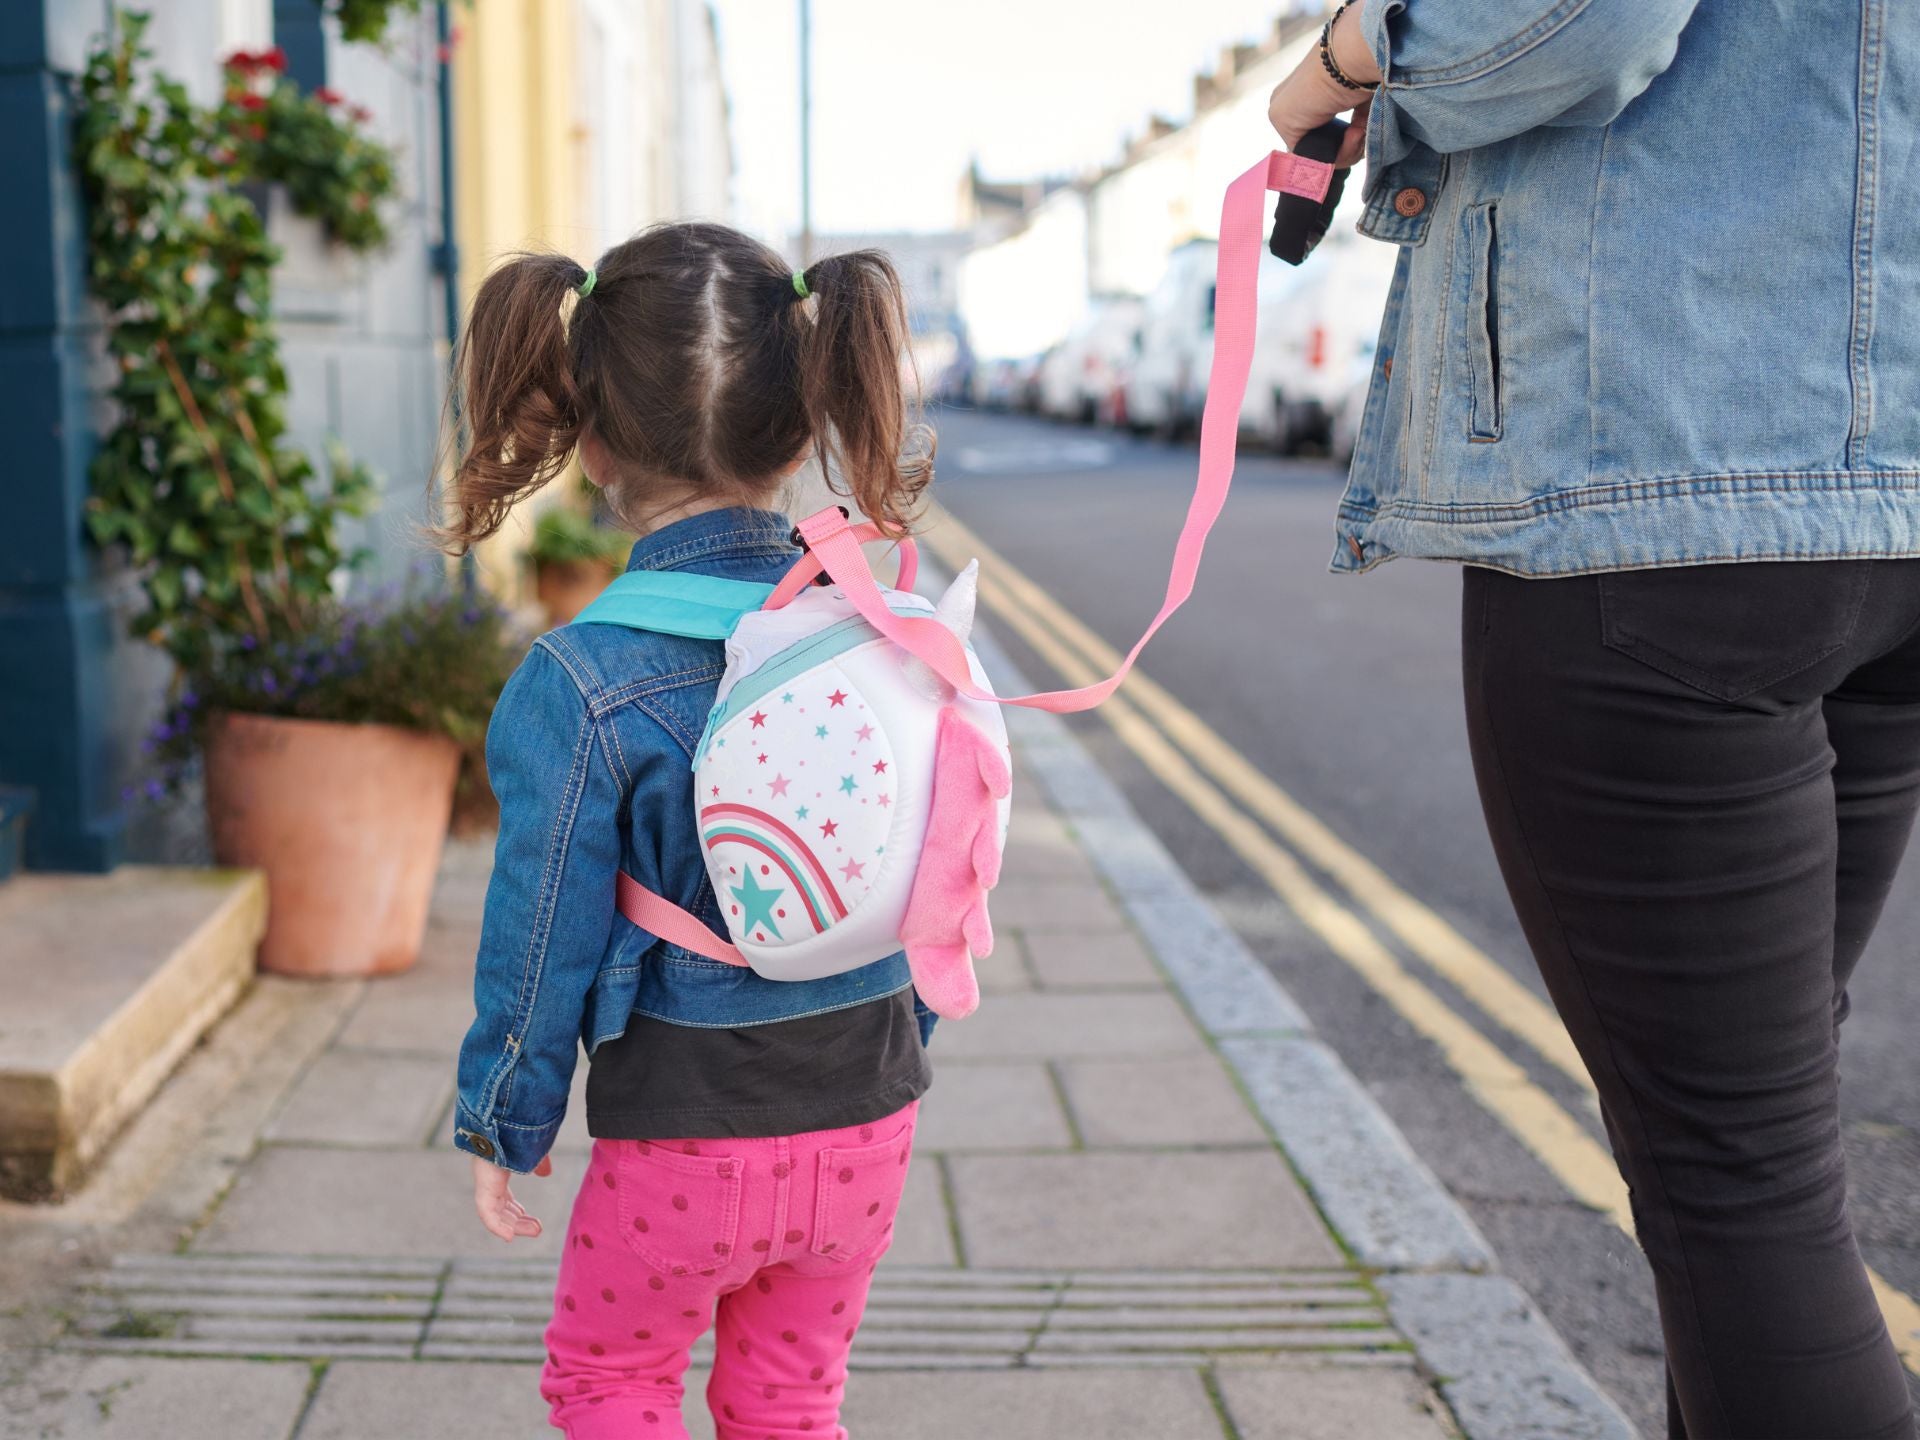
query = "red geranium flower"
{"x": 361, "y": 113}
{"x": 242, "y": 60}
{"x": 327, "y": 95}
{"x": 274, "y": 59}
{"x": 251, "y": 101}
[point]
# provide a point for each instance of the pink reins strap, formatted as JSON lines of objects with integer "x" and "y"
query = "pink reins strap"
{"x": 664, "y": 920}
{"x": 836, "y": 544}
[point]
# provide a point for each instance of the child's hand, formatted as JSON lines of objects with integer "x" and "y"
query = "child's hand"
{"x": 493, "y": 1198}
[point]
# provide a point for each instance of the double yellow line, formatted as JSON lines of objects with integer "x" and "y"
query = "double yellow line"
{"x": 1247, "y": 810}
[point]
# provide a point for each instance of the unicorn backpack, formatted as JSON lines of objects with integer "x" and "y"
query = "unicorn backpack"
{"x": 853, "y": 780}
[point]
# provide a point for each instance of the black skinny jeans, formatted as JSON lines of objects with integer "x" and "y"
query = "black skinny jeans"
{"x": 1699, "y": 783}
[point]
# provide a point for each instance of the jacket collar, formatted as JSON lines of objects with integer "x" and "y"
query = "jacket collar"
{"x": 736, "y": 532}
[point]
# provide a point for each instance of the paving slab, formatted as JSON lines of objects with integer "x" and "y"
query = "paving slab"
{"x": 449, "y": 1400}
{"x": 1005, "y": 969}
{"x": 115, "y": 1397}
{"x": 1100, "y": 960}
{"x": 311, "y": 1200}
{"x": 923, "y": 1231}
{"x": 1328, "y": 1402}
{"x": 422, "y": 1012}
{"x": 1070, "y": 1025}
{"x": 1084, "y": 905}
{"x": 992, "y": 1105}
{"x": 1157, "y": 1102}
{"x": 1216, "y": 1209}
{"x": 1109, "y": 1403}
{"x": 349, "y": 1098}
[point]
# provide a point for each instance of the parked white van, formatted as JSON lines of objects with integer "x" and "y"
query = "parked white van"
{"x": 1166, "y": 385}
{"x": 1079, "y": 376}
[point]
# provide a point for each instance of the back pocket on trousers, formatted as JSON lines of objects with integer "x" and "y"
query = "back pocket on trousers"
{"x": 680, "y": 1213}
{"x": 1732, "y": 630}
{"x": 859, "y": 1196}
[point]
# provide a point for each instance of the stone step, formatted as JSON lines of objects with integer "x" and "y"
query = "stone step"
{"x": 110, "y": 980}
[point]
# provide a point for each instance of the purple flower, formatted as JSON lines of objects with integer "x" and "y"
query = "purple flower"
{"x": 247, "y": 642}
{"x": 188, "y": 699}
{"x": 155, "y": 790}
{"x": 268, "y": 684}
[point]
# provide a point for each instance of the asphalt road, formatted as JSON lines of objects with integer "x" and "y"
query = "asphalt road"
{"x": 1345, "y": 692}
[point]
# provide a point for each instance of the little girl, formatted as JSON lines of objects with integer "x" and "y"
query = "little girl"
{"x": 693, "y": 373}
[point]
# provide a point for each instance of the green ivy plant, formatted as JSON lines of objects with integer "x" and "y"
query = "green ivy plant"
{"x": 563, "y": 536}
{"x": 235, "y": 532}
{"x": 317, "y": 145}
{"x": 366, "y": 20}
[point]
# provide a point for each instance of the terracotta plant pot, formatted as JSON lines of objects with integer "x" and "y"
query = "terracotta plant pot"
{"x": 347, "y": 821}
{"x": 566, "y": 587}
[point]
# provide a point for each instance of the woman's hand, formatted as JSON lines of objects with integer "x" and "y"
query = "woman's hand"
{"x": 493, "y": 1198}
{"x": 1310, "y": 97}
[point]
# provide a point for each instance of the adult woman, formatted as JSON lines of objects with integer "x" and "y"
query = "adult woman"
{"x": 1651, "y": 370}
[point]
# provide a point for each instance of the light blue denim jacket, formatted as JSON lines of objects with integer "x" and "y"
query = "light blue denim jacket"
{"x": 1658, "y": 304}
{"x": 590, "y": 753}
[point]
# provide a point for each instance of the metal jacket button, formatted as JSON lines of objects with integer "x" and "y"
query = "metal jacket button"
{"x": 482, "y": 1146}
{"x": 1410, "y": 201}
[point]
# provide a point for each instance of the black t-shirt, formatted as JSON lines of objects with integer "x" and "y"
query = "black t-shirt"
{"x": 662, "y": 1081}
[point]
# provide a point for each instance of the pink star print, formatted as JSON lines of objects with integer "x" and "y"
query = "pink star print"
{"x": 865, "y": 732}
{"x": 716, "y": 792}
{"x": 854, "y": 870}
{"x": 879, "y": 767}
{"x": 830, "y": 827}
{"x": 759, "y": 718}
{"x": 884, "y": 801}
{"x": 779, "y": 786}
{"x": 837, "y": 698}
{"x": 763, "y": 759}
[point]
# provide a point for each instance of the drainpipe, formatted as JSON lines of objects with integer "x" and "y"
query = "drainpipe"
{"x": 446, "y": 255}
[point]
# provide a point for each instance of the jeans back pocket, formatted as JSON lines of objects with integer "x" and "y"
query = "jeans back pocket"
{"x": 1730, "y": 631}
{"x": 679, "y": 1212}
{"x": 859, "y": 1195}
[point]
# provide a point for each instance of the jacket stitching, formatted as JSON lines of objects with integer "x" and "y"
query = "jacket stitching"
{"x": 683, "y": 737}
{"x": 533, "y": 964}
{"x": 796, "y": 1015}
{"x": 1653, "y": 488}
{"x": 1490, "y": 60}
{"x": 610, "y": 700}
{"x": 1865, "y": 215}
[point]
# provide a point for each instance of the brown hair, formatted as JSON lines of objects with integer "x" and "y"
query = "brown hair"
{"x": 696, "y": 362}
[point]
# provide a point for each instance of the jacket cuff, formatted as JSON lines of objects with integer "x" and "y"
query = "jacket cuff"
{"x": 512, "y": 1147}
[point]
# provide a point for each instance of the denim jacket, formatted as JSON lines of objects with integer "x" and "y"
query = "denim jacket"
{"x": 1657, "y": 301}
{"x": 590, "y": 753}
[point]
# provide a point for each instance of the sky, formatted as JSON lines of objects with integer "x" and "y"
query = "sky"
{"x": 906, "y": 91}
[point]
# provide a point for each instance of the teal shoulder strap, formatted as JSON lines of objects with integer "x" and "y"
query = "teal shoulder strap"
{"x": 675, "y": 602}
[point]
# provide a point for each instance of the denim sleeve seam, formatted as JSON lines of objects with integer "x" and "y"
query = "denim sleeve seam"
{"x": 1487, "y": 61}
{"x": 534, "y": 962}
{"x": 653, "y": 684}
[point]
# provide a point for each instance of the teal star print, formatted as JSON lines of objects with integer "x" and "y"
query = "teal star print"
{"x": 821, "y": 732}
{"x": 849, "y": 784}
{"x": 787, "y": 699}
{"x": 757, "y": 904}
{"x": 801, "y": 813}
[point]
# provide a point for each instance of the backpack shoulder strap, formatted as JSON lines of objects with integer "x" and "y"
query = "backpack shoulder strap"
{"x": 675, "y": 602}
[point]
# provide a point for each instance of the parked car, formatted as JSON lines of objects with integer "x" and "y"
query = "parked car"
{"x": 1316, "y": 328}
{"x": 1007, "y": 384}
{"x": 1079, "y": 375}
{"x": 1176, "y": 344}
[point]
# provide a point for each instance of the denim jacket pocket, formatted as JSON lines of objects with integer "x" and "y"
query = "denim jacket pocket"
{"x": 680, "y": 1213}
{"x": 1730, "y": 631}
{"x": 1482, "y": 322}
{"x": 859, "y": 1195}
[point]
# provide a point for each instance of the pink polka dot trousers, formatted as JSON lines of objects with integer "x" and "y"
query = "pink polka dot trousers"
{"x": 772, "y": 1241}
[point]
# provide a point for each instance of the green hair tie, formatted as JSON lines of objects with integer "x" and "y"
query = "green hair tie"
{"x": 800, "y": 284}
{"x": 585, "y": 287}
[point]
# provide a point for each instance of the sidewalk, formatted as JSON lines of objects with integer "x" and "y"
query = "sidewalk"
{"x": 1101, "y": 1238}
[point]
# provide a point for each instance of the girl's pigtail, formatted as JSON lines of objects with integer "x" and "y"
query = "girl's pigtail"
{"x": 519, "y": 400}
{"x": 856, "y": 401}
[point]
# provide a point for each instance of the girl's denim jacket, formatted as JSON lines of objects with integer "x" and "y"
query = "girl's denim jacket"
{"x": 590, "y": 753}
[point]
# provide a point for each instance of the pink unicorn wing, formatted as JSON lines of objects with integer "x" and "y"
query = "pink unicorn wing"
{"x": 946, "y": 923}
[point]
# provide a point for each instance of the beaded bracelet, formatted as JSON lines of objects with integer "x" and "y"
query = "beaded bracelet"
{"x": 1326, "y": 51}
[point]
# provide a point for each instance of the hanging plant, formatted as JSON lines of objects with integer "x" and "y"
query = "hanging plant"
{"x": 267, "y": 128}
{"x": 235, "y": 532}
{"x": 367, "y": 20}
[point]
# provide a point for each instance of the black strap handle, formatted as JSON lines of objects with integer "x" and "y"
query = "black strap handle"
{"x": 1299, "y": 223}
